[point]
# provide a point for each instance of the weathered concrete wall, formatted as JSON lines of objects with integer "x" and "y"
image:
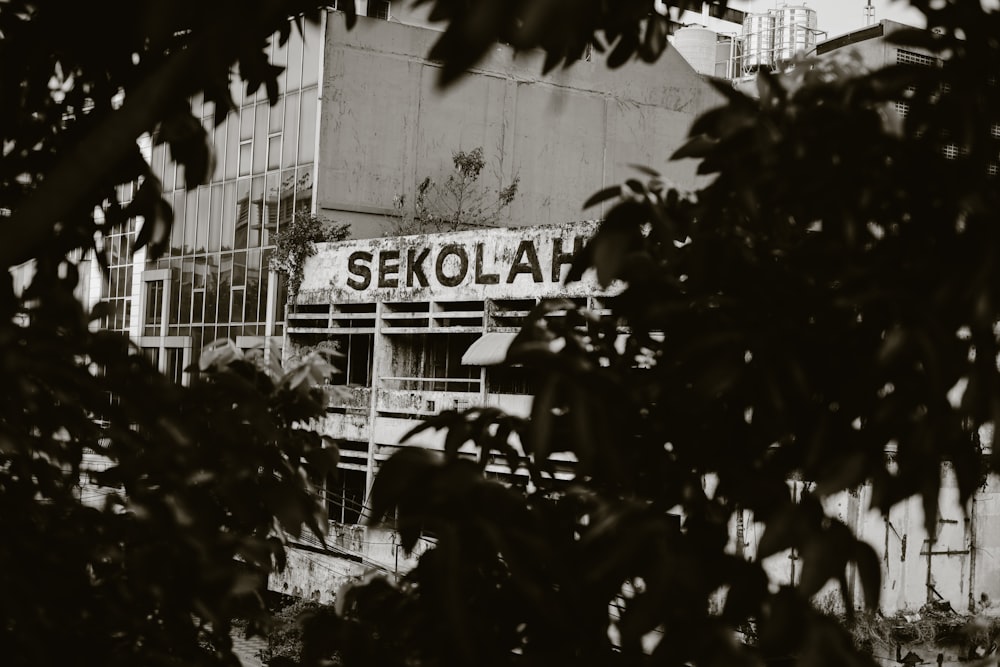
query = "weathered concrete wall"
{"x": 319, "y": 576}
{"x": 385, "y": 125}
{"x": 959, "y": 566}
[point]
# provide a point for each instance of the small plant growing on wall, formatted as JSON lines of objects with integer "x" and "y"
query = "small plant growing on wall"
{"x": 456, "y": 203}
{"x": 295, "y": 243}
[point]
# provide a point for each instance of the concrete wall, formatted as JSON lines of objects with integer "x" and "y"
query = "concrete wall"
{"x": 960, "y": 566}
{"x": 313, "y": 572}
{"x": 385, "y": 125}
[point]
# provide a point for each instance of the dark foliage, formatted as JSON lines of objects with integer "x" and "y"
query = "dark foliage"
{"x": 564, "y": 29}
{"x": 140, "y": 517}
{"x": 830, "y": 295}
{"x": 81, "y": 82}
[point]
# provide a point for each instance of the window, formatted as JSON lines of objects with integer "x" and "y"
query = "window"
{"x": 912, "y": 58}
{"x": 379, "y": 9}
{"x": 510, "y": 380}
{"x": 433, "y": 362}
{"x": 356, "y": 364}
{"x": 174, "y": 367}
{"x": 154, "y": 308}
{"x": 345, "y": 495}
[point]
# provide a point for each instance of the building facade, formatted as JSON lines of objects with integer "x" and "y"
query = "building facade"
{"x": 423, "y": 323}
{"x": 359, "y": 122}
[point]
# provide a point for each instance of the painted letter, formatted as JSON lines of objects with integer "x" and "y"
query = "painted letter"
{"x": 388, "y": 268}
{"x": 484, "y": 278}
{"x": 525, "y": 261}
{"x": 463, "y": 265}
{"x": 560, "y": 257}
{"x": 415, "y": 266}
{"x": 357, "y": 265}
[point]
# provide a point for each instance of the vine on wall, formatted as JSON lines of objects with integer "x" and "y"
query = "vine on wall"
{"x": 296, "y": 242}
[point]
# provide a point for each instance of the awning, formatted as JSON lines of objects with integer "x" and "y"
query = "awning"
{"x": 489, "y": 349}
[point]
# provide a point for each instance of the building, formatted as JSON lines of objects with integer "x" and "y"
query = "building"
{"x": 421, "y": 320}
{"x": 772, "y": 38}
{"x": 359, "y": 122}
{"x": 872, "y": 47}
{"x": 734, "y": 45}
{"x": 423, "y": 323}
{"x": 710, "y": 40}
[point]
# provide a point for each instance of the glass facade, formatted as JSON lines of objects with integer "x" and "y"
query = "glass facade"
{"x": 213, "y": 281}
{"x": 117, "y": 290}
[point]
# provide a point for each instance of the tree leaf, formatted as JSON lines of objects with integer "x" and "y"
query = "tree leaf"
{"x": 397, "y": 477}
{"x": 604, "y": 194}
{"x": 869, "y": 571}
{"x": 696, "y": 147}
{"x": 783, "y": 531}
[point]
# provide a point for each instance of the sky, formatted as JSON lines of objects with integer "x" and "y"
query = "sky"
{"x": 839, "y": 16}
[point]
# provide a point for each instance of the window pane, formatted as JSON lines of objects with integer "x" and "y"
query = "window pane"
{"x": 190, "y": 223}
{"x": 256, "y": 212}
{"x": 253, "y": 285}
{"x": 218, "y": 135}
{"x": 275, "y": 115}
{"x": 260, "y": 138}
{"x": 215, "y": 219}
{"x": 242, "y": 217}
{"x": 184, "y": 302}
{"x": 200, "y": 272}
{"x": 204, "y": 210}
{"x": 307, "y": 127}
{"x": 271, "y": 203}
{"x": 232, "y": 145}
{"x": 211, "y": 290}
{"x": 303, "y": 189}
{"x": 245, "y": 154}
{"x": 281, "y": 298}
{"x": 174, "y": 364}
{"x": 197, "y": 306}
{"x": 225, "y": 283}
{"x": 294, "y": 70}
{"x": 239, "y": 268}
{"x": 246, "y": 124}
{"x": 274, "y": 151}
{"x": 179, "y": 212}
{"x": 229, "y": 216}
{"x": 154, "y": 306}
{"x": 290, "y": 129}
{"x": 286, "y": 205}
{"x": 265, "y": 276}
{"x": 175, "y": 291}
{"x": 310, "y": 55}
{"x": 236, "y": 311}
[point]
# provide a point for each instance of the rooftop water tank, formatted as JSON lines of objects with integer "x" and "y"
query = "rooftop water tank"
{"x": 758, "y": 41}
{"x": 697, "y": 45}
{"x": 794, "y": 31}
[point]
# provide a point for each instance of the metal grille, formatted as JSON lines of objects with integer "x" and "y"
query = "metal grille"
{"x": 912, "y": 58}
